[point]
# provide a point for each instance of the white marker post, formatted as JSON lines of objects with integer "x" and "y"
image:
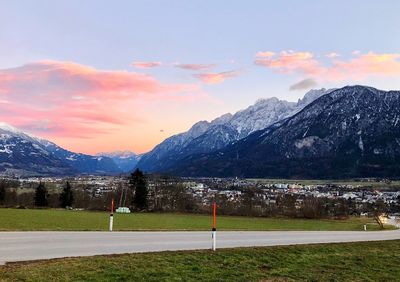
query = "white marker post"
{"x": 214, "y": 229}
{"x": 365, "y": 227}
{"x": 112, "y": 215}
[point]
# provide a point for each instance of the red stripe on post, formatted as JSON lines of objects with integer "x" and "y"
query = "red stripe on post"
{"x": 214, "y": 216}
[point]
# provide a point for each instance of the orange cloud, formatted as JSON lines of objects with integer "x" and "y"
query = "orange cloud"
{"x": 196, "y": 67}
{"x": 366, "y": 65}
{"x": 266, "y": 54}
{"x": 289, "y": 62}
{"x": 215, "y": 78}
{"x": 146, "y": 65}
{"x": 358, "y": 67}
{"x": 76, "y": 101}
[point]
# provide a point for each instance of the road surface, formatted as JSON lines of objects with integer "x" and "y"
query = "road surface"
{"x": 25, "y": 246}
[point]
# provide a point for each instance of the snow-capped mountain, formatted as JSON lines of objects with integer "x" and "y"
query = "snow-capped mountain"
{"x": 350, "y": 132}
{"x": 24, "y": 154}
{"x": 125, "y": 160}
{"x": 205, "y": 137}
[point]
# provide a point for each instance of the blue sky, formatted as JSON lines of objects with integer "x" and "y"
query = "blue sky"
{"x": 111, "y": 35}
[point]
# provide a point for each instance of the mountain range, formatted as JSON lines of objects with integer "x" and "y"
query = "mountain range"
{"x": 24, "y": 155}
{"x": 206, "y": 137}
{"x": 349, "y": 132}
{"x": 126, "y": 161}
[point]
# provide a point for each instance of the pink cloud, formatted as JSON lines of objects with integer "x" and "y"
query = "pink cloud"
{"x": 215, "y": 78}
{"x": 146, "y": 65}
{"x": 332, "y": 55}
{"x": 289, "y": 62}
{"x": 266, "y": 54}
{"x": 68, "y": 99}
{"x": 358, "y": 67}
{"x": 366, "y": 65}
{"x": 196, "y": 67}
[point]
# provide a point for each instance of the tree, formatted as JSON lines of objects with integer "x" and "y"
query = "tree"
{"x": 341, "y": 209}
{"x": 41, "y": 196}
{"x": 2, "y": 191}
{"x": 138, "y": 183}
{"x": 313, "y": 207}
{"x": 286, "y": 203}
{"x": 67, "y": 196}
{"x": 247, "y": 202}
{"x": 378, "y": 210}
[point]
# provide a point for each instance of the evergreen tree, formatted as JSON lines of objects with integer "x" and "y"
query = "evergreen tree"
{"x": 67, "y": 196}
{"x": 2, "y": 191}
{"x": 41, "y": 196}
{"x": 138, "y": 183}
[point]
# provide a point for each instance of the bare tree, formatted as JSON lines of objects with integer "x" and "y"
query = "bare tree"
{"x": 378, "y": 210}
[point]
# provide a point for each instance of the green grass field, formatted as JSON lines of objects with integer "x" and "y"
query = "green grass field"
{"x": 367, "y": 261}
{"x": 50, "y": 219}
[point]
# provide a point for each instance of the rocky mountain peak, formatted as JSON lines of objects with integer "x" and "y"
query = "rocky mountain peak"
{"x": 198, "y": 128}
{"x": 222, "y": 119}
{"x": 313, "y": 95}
{"x": 204, "y": 137}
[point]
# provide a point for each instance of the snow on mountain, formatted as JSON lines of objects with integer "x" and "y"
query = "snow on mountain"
{"x": 6, "y": 127}
{"x": 260, "y": 115}
{"x": 204, "y": 137}
{"x": 312, "y": 95}
{"x": 125, "y": 160}
{"x": 222, "y": 119}
{"x": 119, "y": 154}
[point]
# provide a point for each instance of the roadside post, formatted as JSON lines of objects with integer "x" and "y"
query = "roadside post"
{"x": 365, "y": 227}
{"x": 111, "y": 215}
{"x": 214, "y": 227}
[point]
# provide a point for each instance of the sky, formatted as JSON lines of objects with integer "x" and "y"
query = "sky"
{"x": 95, "y": 76}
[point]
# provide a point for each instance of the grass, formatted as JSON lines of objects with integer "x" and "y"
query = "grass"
{"x": 366, "y": 261}
{"x": 51, "y": 219}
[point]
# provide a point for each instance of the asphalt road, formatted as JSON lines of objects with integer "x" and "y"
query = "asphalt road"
{"x": 25, "y": 246}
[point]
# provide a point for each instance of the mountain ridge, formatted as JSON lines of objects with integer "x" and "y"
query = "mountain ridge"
{"x": 126, "y": 161}
{"x": 350, "y": 132}
{"x": 23, "y": 154}
{"x": 205, "y": 137}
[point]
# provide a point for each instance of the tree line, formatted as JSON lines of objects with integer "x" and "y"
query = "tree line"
{"x": 70, "y": 197}
{"x": 168, "y": 194}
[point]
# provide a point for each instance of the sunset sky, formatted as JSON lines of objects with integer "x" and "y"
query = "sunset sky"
{"x": 97, "y": 76}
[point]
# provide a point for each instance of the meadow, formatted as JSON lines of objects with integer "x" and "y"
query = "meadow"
{"x": 365, "y": 261}
{"x": 71, "y": 220}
